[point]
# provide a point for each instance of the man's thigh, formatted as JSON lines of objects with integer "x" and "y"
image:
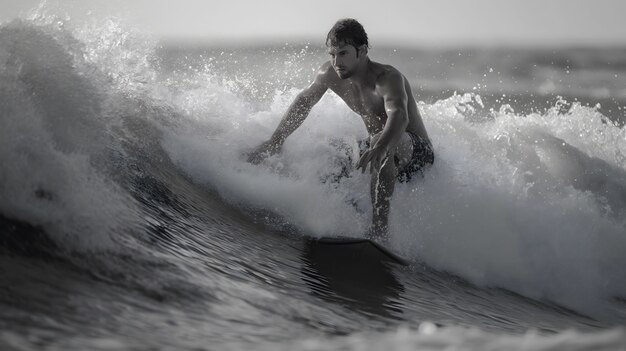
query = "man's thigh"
{"x": 403, "y": 152}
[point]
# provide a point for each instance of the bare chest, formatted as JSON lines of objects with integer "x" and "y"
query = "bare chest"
{"x": 366, "y": 102}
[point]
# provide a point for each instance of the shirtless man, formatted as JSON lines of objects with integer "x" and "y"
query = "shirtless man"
{"x": 398, "y": 145}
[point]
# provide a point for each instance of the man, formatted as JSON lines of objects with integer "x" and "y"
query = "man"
{"x": 398, "y": 146}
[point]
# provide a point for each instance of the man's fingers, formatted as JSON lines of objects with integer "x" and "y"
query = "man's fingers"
{"x": 257, "y": 156}
{"x": 254, "y": 158}
{"x": 263, "y": 151}
{"x": 377, "y": 161}
{"x": 372, "y": 157}
{"x": 365, "y": 159}
{"x": 360, "y": 161}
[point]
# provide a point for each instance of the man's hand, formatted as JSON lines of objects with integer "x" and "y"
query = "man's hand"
{"x": 264, "y": 150}
{"x": 375, "y": 156}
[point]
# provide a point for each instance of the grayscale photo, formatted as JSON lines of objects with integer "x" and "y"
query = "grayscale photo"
{"x": 312, "y": 175}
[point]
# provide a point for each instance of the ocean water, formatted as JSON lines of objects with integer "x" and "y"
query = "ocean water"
{"x": 129, "y": 218}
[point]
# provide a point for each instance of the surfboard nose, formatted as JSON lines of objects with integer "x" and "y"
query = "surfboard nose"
{"x": 360, "y": 249}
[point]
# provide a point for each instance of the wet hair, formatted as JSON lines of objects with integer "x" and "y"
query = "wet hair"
{"x": 348, "y": 31}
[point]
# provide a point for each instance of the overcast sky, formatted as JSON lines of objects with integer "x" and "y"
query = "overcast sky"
{"x": 451, "y": 22}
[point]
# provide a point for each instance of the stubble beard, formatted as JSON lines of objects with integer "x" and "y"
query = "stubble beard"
{"x": 345, "y": 74}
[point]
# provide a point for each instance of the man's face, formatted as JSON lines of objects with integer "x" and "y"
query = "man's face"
{"x": 344, "y": 59}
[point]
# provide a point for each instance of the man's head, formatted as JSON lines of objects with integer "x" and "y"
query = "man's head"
{"x": 347, "y": 45}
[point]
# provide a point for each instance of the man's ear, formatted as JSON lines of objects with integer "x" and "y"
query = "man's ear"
{"x": 362, "y": 50}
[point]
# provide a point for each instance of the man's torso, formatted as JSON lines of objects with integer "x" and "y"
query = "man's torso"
{"x": 362, "y": 97}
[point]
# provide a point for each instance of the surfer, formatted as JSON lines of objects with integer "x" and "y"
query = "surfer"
{"x": 398, "y": 146}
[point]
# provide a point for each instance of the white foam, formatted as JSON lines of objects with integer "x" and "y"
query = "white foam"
{"x": 290, "y": 184}
{"x": 530, "y": 203}
{"x": 53, "y": 137}
{"x": 429, "y": 337}
{"x": 504, "y": 204}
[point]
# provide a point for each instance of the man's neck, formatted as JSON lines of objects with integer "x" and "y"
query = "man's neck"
{"x": 361, "y": 72}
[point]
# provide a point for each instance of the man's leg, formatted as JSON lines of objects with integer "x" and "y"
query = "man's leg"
{"x": 383, "y": 183}
{"x": 381, "y": 190}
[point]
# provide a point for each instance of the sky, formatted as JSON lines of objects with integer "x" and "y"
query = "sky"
{"x": 416, "y": 22}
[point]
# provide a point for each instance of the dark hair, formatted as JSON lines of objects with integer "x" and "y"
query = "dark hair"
{"x": 348, "y": 31}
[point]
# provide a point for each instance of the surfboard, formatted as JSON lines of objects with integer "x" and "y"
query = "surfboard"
{"x": 362, "y": 249}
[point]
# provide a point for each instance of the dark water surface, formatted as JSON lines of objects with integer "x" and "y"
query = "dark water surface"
{"x": 129, "y": 219}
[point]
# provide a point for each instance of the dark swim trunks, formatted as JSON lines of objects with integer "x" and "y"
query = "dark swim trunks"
{"x": 422, "y": 155}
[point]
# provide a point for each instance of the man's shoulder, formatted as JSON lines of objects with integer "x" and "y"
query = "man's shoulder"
{"x": 327, "y": 70}
{"x": 326, "y": 75}
{"x": 386, "y": 73}
{"x": 387, "y": 76}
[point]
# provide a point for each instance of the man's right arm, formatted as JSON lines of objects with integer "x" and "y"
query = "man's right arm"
{"x": 295, "y": 115}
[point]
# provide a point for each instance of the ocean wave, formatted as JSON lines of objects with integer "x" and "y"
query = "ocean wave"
{"x": 95, "y": 130}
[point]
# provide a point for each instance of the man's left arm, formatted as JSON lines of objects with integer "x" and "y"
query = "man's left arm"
{"x": 395, "y": 99}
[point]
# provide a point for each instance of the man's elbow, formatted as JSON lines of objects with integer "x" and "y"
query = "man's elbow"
{"x": 300, "y": 102}
{"x": 304, "y": 100}
{"x": 401, "y": 116}
{"x": 405, "y": 119}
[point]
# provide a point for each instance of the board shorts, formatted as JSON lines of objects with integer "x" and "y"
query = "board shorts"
{"x": 422, "y": 156}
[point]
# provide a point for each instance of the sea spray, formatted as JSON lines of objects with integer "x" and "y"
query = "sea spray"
{"x": 492, "y": 209}
{"x": 503, "y": 206}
